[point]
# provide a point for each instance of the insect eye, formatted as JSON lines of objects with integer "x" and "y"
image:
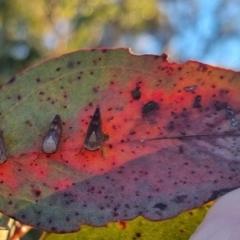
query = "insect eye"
{"x": 52, "y": 139}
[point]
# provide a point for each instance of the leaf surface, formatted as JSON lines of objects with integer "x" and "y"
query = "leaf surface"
{"x": 173, "y": 139}
{"x": 180, "y": 228}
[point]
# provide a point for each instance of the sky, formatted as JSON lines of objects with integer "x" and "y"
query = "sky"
{"x": 197, "y": 29}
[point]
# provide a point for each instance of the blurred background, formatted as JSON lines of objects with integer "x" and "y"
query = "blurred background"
{"x": 31, "y": 31}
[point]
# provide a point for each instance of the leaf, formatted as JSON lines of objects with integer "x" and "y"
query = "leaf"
{"x": 179, "y": 228}
{"x": 171, "y": 139}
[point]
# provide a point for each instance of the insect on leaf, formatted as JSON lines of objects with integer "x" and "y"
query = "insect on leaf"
{"x": 94, "y": 136}
{"x": 52, "y": 139}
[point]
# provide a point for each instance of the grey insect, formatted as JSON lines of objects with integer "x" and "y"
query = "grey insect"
{"x": 52, "y": 139}
{"x": 94, "y": 136}
{"x": 3, "y": 151}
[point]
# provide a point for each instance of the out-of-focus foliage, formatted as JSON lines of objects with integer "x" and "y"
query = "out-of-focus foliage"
{"x": 31, "y": 31}
{"x": 34, "y": 30}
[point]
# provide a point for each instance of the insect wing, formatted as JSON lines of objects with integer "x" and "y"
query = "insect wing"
{"x": 52, "y": 139}
{"x": 94, "y": 136}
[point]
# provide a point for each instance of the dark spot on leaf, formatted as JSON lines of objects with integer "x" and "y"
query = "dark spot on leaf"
{"x": 181, "y": 151}
{"x": 138, "y": 235}
{"x": 136, "y": 94}
{"x": 58, "y": 69}
{"x": 197, "y": 102}
{"x": 161, "y": 206}
{"x": 218, "y": 193}
{"x": 41, "y": 93}
{"x": 164, "y": 56}
{"x": 38, "y": 80}
{"x": 220, "y": 105}
{"x": 11, "y": 80}
{"x": 70, "y": 65}
{"x": 19, "y": 97}
{"x": 202, "y": 67}
{"x": 105, "y": 137}
{"x": 170, "y": 126}
{"x": 179, "y": 199}
{"x": 149, "y": 108}
{"x": 95, "y": 89}
{"x": 37, "y": 193}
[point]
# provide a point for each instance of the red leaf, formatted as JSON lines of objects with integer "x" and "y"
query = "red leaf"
{"x": 172, "y": 142}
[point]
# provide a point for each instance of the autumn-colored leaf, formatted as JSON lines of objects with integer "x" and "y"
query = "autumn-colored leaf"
{"x": 180, "y": 228}
{"x": 171, "y": 139}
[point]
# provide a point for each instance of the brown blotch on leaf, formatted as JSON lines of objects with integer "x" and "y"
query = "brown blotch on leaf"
{"x": 37, "y": 193}
{"x": 161, "y": 206}
{"x": 58, "y": 69}
{"x": 29, "y": 123}
{"x": 95, "y": 89}
{"x": 149, "y": 108}
{"x": 19, "y": 97}
{"x": 220, "y": 106}
{"x": 136, "y": 94}
{"x": 38, "y": 79}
